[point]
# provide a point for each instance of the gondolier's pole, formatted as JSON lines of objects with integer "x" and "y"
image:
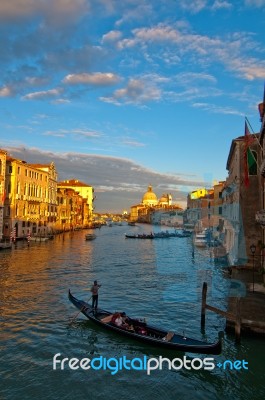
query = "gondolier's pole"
{"x": 79, "y": 312}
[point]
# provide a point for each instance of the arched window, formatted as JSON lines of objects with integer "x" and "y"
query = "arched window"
{"x": 252, "y": 162}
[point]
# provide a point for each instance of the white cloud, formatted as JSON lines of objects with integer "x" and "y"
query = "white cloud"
{"x": 193, "y": 7}
{"x": 5, "y": 91}
{"x": 61, "y": 101}
{"x": 86, "y": 133}
{"x": 59, "y": 11}
{"x": 255, "y": 3}
{"x": 42, "y": 95}
{"x": 218, "y": 5}
{"x": 97, "y": 79}
{"x": 188, "y": 78}
{"x": 132, "y": 143}
{"x": 248, "y": 68}
{"x": 231, "y": 50}
{"x": 213, "y": 108}
{"x": 137, "y": 91}
{"x": 111, "y": 36}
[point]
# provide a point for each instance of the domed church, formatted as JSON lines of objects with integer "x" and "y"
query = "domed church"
{"x": 150, "y": 204}
{"x": 149, "y": 198}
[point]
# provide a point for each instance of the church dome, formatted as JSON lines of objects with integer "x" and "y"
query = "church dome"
{"x": 149, "y": 198}
{"x": 163, "y": 199}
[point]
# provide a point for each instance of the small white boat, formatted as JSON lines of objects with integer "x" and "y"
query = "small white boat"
{"x": 90, "y": 236}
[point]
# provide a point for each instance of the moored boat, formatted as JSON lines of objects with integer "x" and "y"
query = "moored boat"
{"x": 141, "y": 331}
{"x": 4, "y": 246}
{"x": 39, "y": 238}
{"x": 90, "y": 236}
{"x": 201, "y": 238}
{"x": 131, "y": 223}
{"x": 140, "y": 236}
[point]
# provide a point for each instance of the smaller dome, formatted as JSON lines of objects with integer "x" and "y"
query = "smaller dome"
{"x": 164, "y": 199}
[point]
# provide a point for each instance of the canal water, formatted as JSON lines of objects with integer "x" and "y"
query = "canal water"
{"x": 159, "y": 280}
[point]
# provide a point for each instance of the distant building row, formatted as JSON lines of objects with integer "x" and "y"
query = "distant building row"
{"x": 33, "y": 202}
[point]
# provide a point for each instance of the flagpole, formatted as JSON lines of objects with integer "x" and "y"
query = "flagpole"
{"x": 253, "y": 133}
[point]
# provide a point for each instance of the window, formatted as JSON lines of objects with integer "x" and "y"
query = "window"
{"x": 252, "y": 162}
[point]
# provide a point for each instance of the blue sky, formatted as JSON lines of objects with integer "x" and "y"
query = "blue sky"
{"x": 126, "y": 94}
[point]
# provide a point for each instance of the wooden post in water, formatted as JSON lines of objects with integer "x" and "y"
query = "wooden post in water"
{"x": 236, "y": 318}
{"x": 204, "y": 295}
{"x": 237, "y": 321}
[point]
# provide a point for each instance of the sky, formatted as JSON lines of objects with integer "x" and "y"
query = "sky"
{"x": 124, "y": 94}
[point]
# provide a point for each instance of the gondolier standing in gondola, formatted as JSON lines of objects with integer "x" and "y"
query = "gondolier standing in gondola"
{"x": 94, "y": 291}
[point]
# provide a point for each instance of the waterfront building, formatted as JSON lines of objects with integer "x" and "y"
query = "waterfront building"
{"x": 204, "y": 209}
{"x": 172, "y": 218}
{"x": 199, "y": 208}
{"x": 217, "y": 198}
{"x": 70, "y": 210}
{"x": 86, "y": 192}
{"x": 241, "y": 200}
{"x": 52, "y": 192}
{"x": 29, "y": 192}
{"x": 2, "y": 189}
{"x": 260, "y": 215}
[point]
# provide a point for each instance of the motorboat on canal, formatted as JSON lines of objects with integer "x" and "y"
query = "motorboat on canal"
{"x": 138, "y": 329}
{"x": 90, "y": 236}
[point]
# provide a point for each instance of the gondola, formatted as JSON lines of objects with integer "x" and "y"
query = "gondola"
{"x": 140, "y": 236}
{"x": 141, "y": 331}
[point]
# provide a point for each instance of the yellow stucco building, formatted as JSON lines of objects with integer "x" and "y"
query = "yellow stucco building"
{"x": 86, "y": 192}
{"x": 30, "y": 195}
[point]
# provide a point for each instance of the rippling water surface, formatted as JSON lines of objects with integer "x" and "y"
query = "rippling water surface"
{"x": 160, "y": 280}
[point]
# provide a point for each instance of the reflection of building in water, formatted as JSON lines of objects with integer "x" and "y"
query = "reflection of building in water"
{"x": 152, "y": 210}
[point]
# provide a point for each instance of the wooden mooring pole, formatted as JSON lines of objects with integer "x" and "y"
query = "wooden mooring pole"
{"x": 204, "y": 295}
{"x": 236, "y": 318}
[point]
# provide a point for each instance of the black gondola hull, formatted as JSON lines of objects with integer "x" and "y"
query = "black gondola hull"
{"x": 155, "y": 337}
